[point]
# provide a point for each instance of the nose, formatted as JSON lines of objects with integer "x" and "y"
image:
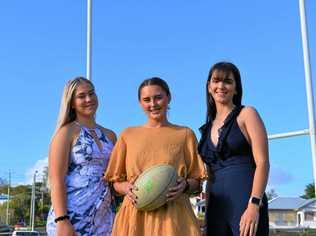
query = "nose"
{"x": 153, "y": 102}
{"x": 88, "y": 98}
{"x": 221, "y": 84}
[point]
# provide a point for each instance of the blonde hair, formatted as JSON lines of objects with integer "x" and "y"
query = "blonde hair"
{"x": 66, "y": 113}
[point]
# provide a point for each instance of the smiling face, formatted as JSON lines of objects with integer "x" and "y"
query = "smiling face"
{"x": 85, "y": 101}
{"x": 222, "y": 87}
{"x": 154, "y": 101}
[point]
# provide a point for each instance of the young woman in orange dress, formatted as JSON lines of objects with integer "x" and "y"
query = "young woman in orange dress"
{"x": 156, "y": 142}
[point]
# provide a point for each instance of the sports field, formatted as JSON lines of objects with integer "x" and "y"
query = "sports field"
{"x": 286, "y": 233}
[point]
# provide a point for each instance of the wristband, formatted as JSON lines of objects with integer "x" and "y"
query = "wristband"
{"x": 256, "y": 201}
{"x": 61, "y": 218}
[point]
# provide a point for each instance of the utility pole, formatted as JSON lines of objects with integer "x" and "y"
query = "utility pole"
{"x": 7, "y": 221}
{"x": 42, "y": 193}
{"x": 89, "y": 40}
{"x": 32, "y": 210}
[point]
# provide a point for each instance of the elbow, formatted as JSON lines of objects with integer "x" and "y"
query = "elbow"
{"x": 263, "y": 164}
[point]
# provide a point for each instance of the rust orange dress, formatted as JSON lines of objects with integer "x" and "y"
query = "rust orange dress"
{"x": 139, "y": 148}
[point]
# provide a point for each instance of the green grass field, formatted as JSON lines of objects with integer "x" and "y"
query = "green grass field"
{"x": 309, "y": 232}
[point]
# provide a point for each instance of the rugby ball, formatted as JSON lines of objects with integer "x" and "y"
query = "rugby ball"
{"x": 152, "y": 186}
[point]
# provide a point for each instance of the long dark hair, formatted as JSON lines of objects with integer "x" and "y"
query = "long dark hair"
{"x": 226, "y": 68}
{"x": 155, "y": 81}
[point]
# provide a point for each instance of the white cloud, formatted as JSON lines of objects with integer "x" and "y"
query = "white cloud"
{"x": 39, "y": 167}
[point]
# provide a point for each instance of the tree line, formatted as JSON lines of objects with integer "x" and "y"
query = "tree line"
{"x": 20, "y": 202}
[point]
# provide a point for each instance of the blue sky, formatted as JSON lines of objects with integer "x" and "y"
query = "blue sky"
{"x": 43, "y": 45}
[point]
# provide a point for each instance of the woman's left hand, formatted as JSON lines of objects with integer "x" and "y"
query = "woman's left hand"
{"x": 249, "y": 221}
{"x": 177, "y": 190}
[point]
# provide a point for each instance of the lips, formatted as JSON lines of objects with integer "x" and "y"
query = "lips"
{"x": 91, "y": 106}
{"x": 155, "y": 109}
{"x": 221, "y": 93}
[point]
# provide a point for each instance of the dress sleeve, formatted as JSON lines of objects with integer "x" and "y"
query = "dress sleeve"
{"x": 194, "y": 163}
{"x": 116, "y": 169}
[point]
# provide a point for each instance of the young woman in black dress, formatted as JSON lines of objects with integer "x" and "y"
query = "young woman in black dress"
{"x": 234, "y": 147}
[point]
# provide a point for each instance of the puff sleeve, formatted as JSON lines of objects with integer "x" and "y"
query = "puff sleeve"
{"x": 116, "y": 169}
{"x": 194, "y": 164}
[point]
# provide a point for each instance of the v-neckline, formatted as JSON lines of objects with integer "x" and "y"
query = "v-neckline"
{"x": 220, "y": 129}
{"x": 95, "y": 130}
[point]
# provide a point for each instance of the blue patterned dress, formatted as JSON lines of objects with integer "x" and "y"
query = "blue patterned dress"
{"x": 88, "y": 195}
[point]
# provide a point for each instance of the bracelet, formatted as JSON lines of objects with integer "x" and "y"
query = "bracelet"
{"x": 61, "y": 218}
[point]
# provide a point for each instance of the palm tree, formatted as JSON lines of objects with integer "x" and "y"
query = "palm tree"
{"x": 309, "y": 191}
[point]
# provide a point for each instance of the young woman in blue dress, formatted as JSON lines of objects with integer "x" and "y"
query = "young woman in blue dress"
{"x": 234, "y": 147}
{"x": 78, "y": 156}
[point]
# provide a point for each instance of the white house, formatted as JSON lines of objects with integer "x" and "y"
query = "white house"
{"x": 3, "y": 198}
{"x": 292, "y": 212}
{"x": 198, "y": 204}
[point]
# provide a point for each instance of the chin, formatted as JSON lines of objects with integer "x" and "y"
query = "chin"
{"x": 157, "y": 117}
{"x": 90, "y": 114}
{"x": 223, "y": 101}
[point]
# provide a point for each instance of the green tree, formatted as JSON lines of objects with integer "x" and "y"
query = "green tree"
{"x": 45, "y": 176}
{"x": 20, "y": 203}
{"x": 309, "y": 191}
{"x": 271, "y": 194}
{"x": 3, "y": 212}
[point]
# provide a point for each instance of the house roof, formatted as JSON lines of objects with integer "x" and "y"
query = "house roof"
{"x": 289, "y": 203}
{"x": 201, "y": 203}
{"x": 3, "y": 196}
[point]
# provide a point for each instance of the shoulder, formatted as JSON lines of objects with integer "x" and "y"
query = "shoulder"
{"x": 204, "y": 128}
{"x": 249, "y": 117}
{"x": 186, "y": 131}
{"x": 109, "y": 133}
{"x": 68, "y": 130}
{"x": 130, "y": 132}
{"x": 248, "y": 112}
{"x": 67, "y": 133}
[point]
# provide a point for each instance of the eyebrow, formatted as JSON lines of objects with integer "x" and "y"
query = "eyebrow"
{"x": 222, "y": 78}
{"x": 158, "y": 94}
{"x": 92, "y": 90}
